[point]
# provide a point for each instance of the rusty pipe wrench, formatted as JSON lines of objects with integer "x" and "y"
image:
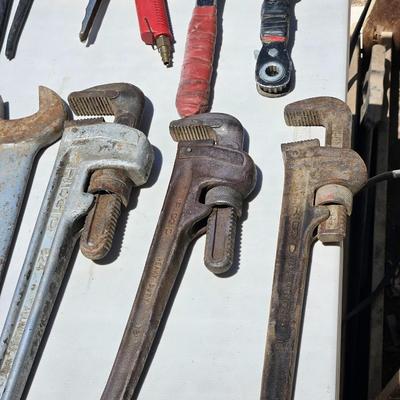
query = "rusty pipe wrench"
{"x": 320, "y": 182}
{"x": 211, "y": 172}
{"x": 20, "y": 141}
{"x": 84, "y": 148}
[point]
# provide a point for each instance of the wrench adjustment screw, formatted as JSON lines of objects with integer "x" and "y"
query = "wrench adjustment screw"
{"x": 221, "y": 228}
{"x": 111, "y": 188}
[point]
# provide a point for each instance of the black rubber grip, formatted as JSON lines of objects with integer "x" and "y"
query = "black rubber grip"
{"x": 275, "y": 18}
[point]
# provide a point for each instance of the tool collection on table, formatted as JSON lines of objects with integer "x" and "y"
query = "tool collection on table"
{"x": 99, "y": 163}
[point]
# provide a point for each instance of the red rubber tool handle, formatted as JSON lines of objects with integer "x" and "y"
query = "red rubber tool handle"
{"x": 194, "y": 87}
{"x": 153, "y": 20}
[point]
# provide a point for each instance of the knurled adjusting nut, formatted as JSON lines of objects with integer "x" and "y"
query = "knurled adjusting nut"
{"x": 333, "y": 194}
{"x": 225, "y": 196}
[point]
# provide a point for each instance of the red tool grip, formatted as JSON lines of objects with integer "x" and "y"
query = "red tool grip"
{"x": 194, "y": 87}
{"x": 153, "y": 20}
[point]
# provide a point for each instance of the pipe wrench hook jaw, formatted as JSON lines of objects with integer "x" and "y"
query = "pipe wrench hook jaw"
{"x": 223, "y": 129}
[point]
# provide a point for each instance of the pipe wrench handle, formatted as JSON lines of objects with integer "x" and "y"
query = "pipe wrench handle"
{"x": 19, "y": 168}
{"x": 194, "y": 87}
{"x": 162, "y": 267}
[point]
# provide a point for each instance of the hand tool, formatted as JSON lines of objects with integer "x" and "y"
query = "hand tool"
{"x": 86, "y": 146}
{"x": 155, "y": 27}
{"x": 194, "y": 87}
{"x": 5, "y": 9}
{"x": 274, "y": 66}
{"x": 320, "y": 182}
{"x": 111, "y": 187}
{"x": 211, "y": 172}
{"x": 20, "y": 141}
{"x": 20, "y": 17}
{"x": 90, "y": 15}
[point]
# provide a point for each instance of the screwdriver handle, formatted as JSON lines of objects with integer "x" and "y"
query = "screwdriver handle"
{"x": 194, "y": 87}
{"x": 153, "y": 20}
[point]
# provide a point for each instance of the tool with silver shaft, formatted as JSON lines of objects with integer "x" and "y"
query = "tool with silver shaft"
{"x": 320, "y": 182}
{"x": 85, "y": 147}
{"x": 211, "y": 172}
{"x": 20, "y": 141}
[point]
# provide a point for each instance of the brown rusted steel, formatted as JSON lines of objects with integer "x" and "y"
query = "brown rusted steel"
{"x": 111, "y": 189}
{"x": 384, "y": 17}
{"x": 337, "y": 173}
{"x": 210, "y": 157}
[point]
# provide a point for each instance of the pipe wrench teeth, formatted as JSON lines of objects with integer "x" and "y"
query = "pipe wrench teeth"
{"x": 320, "y": 182}
{"x": 20, "y": 141}
{"x": 83, "y": 149}
{"x": 111, "y": 188}
{"x": 211, "y": 178}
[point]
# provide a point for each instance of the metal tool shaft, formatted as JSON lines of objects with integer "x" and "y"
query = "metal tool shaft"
{"x": 16, "y": 161}
{"x": 82, "y": 150}
{"x": 20, "y": 17}
{"x": 20, "y": 141}
{"x": 90, "y": 15}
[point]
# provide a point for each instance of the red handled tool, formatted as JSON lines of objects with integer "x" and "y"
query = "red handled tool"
{"x": 155, "y": 28}
{"x": 194, "y": 87}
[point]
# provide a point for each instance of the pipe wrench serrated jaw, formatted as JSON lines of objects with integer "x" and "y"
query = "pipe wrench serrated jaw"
{"x": 225, "y": 202}
{"x": 336, "y": 117}
{"x": 111, "y": 187}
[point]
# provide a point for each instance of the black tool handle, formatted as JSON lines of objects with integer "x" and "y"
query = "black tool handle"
{"x": 17, "y": 26}
{"x": 275, "y": 20}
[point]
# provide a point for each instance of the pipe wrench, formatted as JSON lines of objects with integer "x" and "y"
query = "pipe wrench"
{"x": 20, "y": 141}
{"x": 320, "y": 182}
{"x": 212, "y": 176}
{"x": 86, "y": 146}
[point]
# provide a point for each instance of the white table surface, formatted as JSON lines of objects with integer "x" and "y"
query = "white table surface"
{"x": 212, "y": 347}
